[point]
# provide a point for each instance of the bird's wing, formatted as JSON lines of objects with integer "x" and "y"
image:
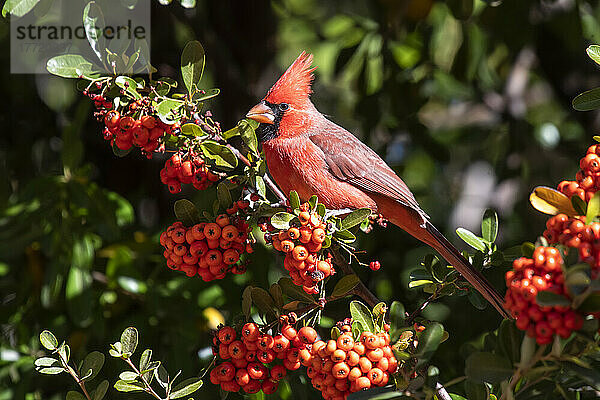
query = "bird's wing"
{"x": 360, "y": 166}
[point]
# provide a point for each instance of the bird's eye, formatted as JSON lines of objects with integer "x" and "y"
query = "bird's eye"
{"x": 284, "y": 106}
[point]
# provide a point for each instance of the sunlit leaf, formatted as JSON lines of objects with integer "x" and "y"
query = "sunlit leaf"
{"x": 551, "y": 201}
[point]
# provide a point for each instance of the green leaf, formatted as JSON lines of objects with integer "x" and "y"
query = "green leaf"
{"x": 46, "y": 362}
{"x": 186, "y": 212}
{"x": 52, "y": 370}
{"x": 129, "y": 85}
{"x": 461, "y": 9}
{"x": 203, "y": 95}
{"x": 123, "y": 386}
{"x": 361, "y": 313}
{"x": 593, "y": 52}
{"x": 345, "y": 285}
{"x": 579, "y": 205}
{"x": 546, "y": 298}
{"x": 379, "y": 312}
{"x": 591, "y": 304}
{"x": 293, "y": 291}
{"x": 593, "y": 209}
{"x": 128, "y": 376}
{"x": 168, "y": 110}
{"x": 509, "y": 340}
{"x": 129, "y": 340}
{"x": 18, "y": 8}
{"x": 487, "y": 367}
{"x": 489, "y": 225}
{"x": 247, "y": 301}
{"x": 93, "y": 21}
{"x": 79, "y": 296}
{"x": 186, "y": 388}
{"x": 223, "y": 195}
{"x": 429, "y": 340}
{"x": 92, "y": 364}
{"x": 345, "y": 236}
{"x": 261, "y": 188}
{"x": 71, "y": 66}
{"x": 263, "y": 300}
{"x": 277, "y": 294}
{"x": 397, "y": 317}
{"x": 471, "y": 239}
{"x": 73, "y": 395}
{"x": 587, "y": 101}
{"x": 219, "y": 155}
{"x": 355, "y": 218}
{"x": 192, "y": 65}
{"x": 100, "y": 391}
{"x": 145, "y": 359}
{"x": 248, "y": 136}
{"x": 476, "y": 391}
{"x": 294, "y": 200}
{"x": 192, "y": 130}
{"x": 282, "y": 220}
{"x": 48, "y": 340}
{"x": 357, "y": 329}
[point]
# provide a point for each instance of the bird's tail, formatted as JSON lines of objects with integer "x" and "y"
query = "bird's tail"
{"x": 474, "y": 276}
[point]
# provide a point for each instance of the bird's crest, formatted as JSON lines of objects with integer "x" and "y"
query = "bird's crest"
{"x": 294, "y": 86}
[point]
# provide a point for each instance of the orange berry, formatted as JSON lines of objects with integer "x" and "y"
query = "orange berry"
{"x": 340, "y": 370}
{"x": 300, "y": 253}
{"x": 212, "y": 231}
{"x": 304, "y": 217}
{"x": 287, "y": 246}
{"x": 375, "y": 376}
{"x": 222, "y": 220}
{"x": 318, "y": 236}
{"x": 229, "y": 233}
{"x": 307, "y": 335}
{"x": 293, "y": 233}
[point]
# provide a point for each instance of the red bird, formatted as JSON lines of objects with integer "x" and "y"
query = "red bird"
{"x": 308, "y": 153}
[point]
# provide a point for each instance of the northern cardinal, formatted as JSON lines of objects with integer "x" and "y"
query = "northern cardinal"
{"x": 308, "y": 153}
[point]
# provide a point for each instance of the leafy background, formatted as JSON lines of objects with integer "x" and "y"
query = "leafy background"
{"x": 470, "y": 102}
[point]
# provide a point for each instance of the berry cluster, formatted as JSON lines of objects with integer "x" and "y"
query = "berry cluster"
{"x": 587, "y": 179}
{"x": 254, "y": 361}
{"x": 342, "y": 366}
{"x": 187, "y": 168}
{"x": 302, "y": 245}
{"x": 524, "y": 281}
{"x": 573, "y": 232}
{"x": 209, "y": 250}
{"x": 145, "y": 132}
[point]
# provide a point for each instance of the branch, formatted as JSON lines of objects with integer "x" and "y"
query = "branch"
{"x": 359, "y": 290}
{"x": 267, "y": 179}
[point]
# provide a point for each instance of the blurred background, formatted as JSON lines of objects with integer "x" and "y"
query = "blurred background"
{"x": 469, "y": 101}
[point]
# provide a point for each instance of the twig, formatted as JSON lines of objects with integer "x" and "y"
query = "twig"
{"x": 75, "y": 376}
{"x": 148, "y": 389}
{"x": 441, "y": 392}
{"x": 359, "y": 290}
{"x": 419, "y": 310}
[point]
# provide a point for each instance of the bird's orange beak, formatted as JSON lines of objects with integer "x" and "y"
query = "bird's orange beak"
{"x": 261, "y": 113}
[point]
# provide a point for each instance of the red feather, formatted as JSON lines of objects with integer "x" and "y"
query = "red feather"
{"x": 294, "y": 86}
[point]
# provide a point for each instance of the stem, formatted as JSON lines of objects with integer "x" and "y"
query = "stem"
{"x": 149, "y": 389}
{"x": 75, "y": 376}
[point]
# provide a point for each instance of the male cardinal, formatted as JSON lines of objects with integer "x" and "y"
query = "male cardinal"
{"x": 308, "y": 153}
